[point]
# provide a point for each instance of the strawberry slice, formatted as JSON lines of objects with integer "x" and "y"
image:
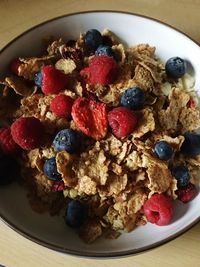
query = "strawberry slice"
{"x": 191, "y": 103}
{"x": 14, "y": 65}
{"x": 90, "y": 117}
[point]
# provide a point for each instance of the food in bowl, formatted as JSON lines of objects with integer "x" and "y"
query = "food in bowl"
{"x": 103, "y": 133}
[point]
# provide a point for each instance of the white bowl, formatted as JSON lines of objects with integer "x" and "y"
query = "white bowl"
{"x": 52, "y": 231}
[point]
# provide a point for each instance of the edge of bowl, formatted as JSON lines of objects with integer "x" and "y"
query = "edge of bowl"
{"x": 97, "y": 11}
{"x": 94, "y": 255}
{"x": 61, "y": 249}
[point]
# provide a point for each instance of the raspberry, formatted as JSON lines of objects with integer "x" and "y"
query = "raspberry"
{"x": 27, "y": 132}
{"x": 186, "y": 194}
{"x": 122, "y": 121}
{"x": 53, "y": 80}
{"x": 14, "y": 65}
{"x": 58, "y": 186}
{"x": 158, "y": 209}
{"x": 102, "y": 70}
{"x": 7, "y": 144}
{"x": 90, "y": 117}
{"x": 61, "y": 106}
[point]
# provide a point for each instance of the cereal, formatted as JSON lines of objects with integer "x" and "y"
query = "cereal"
{"x": 64, "y": 166}
{"x": 169, "y": 118}
{"x": 146, "y": 124}
{"x": 66, "y": 65}
{"x": 30, "y": 66}
{"x": 111, "y": 177}
{"x": 19, "y": 86}
{"x": 90, "y": 231}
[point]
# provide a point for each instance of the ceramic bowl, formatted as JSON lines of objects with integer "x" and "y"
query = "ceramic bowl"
{"x": 51, "y": 231}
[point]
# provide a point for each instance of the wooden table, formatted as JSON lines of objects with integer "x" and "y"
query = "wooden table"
{"x": 17, "y": 16}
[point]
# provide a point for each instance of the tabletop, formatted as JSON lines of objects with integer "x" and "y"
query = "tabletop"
{"x": 18, "y": 16}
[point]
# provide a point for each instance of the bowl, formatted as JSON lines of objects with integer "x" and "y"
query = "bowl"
{"x": 51, "y": 231}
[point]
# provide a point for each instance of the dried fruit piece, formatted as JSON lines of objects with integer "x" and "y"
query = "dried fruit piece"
{"x": 90, "y": 117}
{"x": 191, "y": 103}
{"x": 58, "y": 186}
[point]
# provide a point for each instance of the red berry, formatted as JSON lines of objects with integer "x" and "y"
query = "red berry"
{"x": 27, "y": 132}
{"x": 191, "y": 103}
{"x": 58, "y": 186}
{"x": 102, "y": 70}
{"x": 158, "y": 209}
{"x": 7, "y": 144}
{"x": 122, "y": 121}
{"x": 90, "y": 117}
{"x": 14, "y": 65}
{"x": 186, "y": 194}
{"x": 53, "y": 80}
{"x": 61, "y": 106}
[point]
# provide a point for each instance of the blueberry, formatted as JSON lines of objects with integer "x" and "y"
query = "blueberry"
{"x": 133, "y": 98}
{"x": 93, "y": 39}
{"x": 50, "y": 169}
{"x": 181, "y": 173}
{"x": 175, "y": 67}
{"x": 163, "y": 150}
{"x": 38, "y": 79}
{"x": 105, "y": 50}
{"x": 75, "y": 213}
{"x": 9, "y": 170}
{"x": 191, "y": 145}
{"x": 68, "y": 140}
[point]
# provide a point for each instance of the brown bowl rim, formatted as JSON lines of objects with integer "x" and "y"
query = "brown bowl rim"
{"x": 87, "y": 254}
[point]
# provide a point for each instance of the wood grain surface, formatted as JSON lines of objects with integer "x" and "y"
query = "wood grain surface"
{"x": 18, "y": 16}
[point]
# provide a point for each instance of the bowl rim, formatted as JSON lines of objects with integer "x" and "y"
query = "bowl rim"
{"x": 86, "y": 254}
